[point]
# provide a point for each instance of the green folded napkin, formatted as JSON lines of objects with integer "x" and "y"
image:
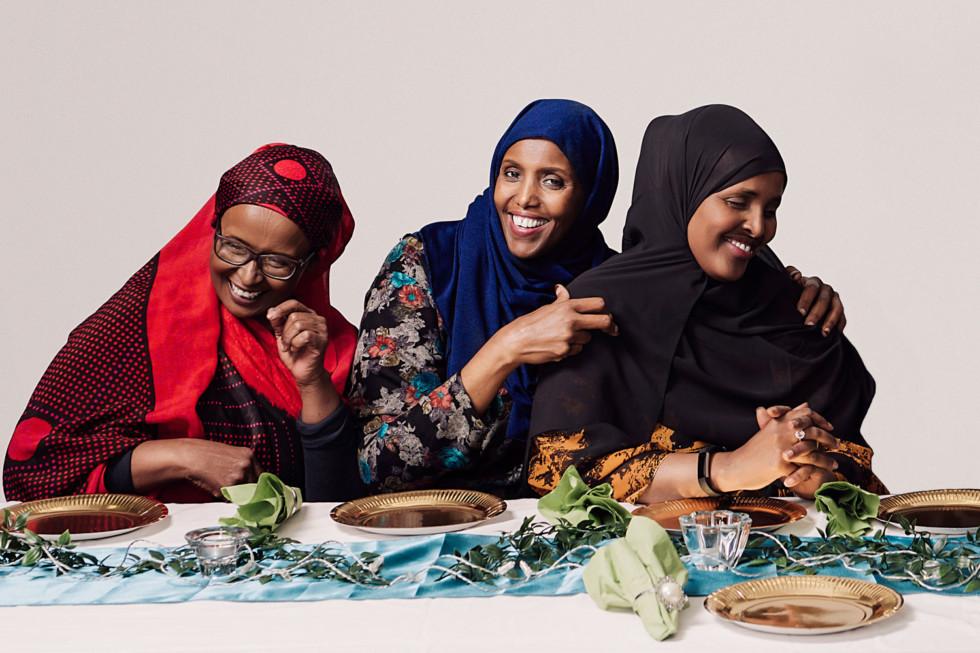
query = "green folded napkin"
{"x": 267, "y": 503}
{"x": 641, "y": 571}
{"x": 576, "y": 502}
{"x": 849, "y": 509}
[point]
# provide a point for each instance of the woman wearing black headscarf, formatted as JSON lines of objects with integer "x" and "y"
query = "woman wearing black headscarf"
{"x": 709, "y": 333}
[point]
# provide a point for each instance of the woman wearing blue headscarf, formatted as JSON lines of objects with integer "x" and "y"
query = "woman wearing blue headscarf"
{"x": 462, "y": 312}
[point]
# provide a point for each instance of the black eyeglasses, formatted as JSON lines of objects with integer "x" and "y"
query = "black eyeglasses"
{"x": 274, "y": 266}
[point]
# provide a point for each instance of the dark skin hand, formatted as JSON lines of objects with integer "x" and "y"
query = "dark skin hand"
{"x": 818, "y": 302}
{"x": 208, "y": 465}
{"x": 302, "y": 337}
{"x": 550, "y": 333}
{"x": 813, "y": 466}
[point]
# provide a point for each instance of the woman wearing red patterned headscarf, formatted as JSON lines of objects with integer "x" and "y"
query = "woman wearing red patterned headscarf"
{"x": 219, "y": 359}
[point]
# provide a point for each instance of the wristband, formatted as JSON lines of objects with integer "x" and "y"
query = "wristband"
{"x": 704, "y": 470}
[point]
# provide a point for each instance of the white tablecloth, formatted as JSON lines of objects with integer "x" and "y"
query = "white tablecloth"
{"x": 503, "y": 624}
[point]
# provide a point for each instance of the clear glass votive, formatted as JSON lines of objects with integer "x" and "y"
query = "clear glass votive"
{"x": 217, "y": 548}
{"x": 715, "y": 538}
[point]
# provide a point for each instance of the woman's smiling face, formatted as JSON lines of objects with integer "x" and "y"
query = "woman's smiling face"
{"x": 243, "y": 289}
{"x": 731, "y": 225}
{"x": 537, "y": 196}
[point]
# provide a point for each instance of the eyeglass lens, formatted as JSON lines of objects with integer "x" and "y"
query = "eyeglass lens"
{"x": 271, "y": 265}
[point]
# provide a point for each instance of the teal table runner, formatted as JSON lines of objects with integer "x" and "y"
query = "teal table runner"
{"x": 408, "y": 556}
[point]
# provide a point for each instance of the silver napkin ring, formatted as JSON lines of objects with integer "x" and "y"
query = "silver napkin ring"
{"x": 668, "y": 592}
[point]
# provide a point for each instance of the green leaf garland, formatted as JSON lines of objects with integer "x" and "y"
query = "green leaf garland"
{"x": 533, "y": 550}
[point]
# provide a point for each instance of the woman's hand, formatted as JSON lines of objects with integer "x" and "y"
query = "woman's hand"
{"x": 818, "y": 301}
{"x": 556, "y": 331}
{"x": 208, "y": 465}
{"x": 548, "y": 334}
{"x": 775, "y": 451}
{"x": 816, "y": 476}
{"x": 302, "y": 338}
{"x": 813, "y": 465}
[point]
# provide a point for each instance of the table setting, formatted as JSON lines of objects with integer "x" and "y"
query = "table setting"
{"x": 575, "y": 567}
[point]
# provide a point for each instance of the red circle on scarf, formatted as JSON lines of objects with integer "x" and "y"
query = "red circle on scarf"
{"x": 26, "y": 437}
{"x": 290, "y": 169}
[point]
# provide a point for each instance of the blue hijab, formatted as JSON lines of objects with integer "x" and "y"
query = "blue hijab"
{"x": 479, "y": 286}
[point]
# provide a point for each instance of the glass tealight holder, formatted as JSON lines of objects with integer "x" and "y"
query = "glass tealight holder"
{"x": 217, "y": 548}
{"x": 715, "y": 538}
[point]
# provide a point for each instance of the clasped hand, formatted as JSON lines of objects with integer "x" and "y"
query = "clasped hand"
{"x": 776, "y": 452}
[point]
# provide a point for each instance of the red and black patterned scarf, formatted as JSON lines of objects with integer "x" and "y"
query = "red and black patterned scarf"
{"x": 135, "y": 369}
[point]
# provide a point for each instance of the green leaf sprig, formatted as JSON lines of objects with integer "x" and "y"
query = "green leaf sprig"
{"x": 20, "y": 546}
{"x": 942, "y": 565}
{"x": 268, "y": 557}
{"x": 532, "y": 549}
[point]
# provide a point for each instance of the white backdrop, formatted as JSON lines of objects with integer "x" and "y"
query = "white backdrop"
{"x": 117, "y": 119}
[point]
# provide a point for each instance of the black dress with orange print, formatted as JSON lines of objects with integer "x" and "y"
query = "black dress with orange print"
{"x": 629, "y": 471}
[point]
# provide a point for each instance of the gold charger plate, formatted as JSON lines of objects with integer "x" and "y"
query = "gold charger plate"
{"x": 90, "y": 516}
{"x": 767, "y": 513}
{"x": 804, "y": 605}
{"x": 419, "y": 512}
{"x": 938, "y": 511}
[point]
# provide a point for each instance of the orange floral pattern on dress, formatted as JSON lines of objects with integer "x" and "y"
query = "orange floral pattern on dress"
{"x": 861, "y": 457}
{"x": 630, "y": 471}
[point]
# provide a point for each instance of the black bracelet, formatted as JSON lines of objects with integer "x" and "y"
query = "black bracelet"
{"x": 704, "y": 470}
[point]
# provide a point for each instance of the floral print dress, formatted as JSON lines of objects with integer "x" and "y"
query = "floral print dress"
{"x": 417, "y": 425}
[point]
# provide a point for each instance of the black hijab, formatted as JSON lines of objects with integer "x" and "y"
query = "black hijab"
{"x": 694, "y": 354}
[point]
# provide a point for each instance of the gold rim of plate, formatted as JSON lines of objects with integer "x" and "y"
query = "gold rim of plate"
{"x": 419, "y": 510}
{"x": 804, "y": 605}
{"x": 959, "y": 503}
{"x": 90, "y": 514}
{"x": 766, "y": 513}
